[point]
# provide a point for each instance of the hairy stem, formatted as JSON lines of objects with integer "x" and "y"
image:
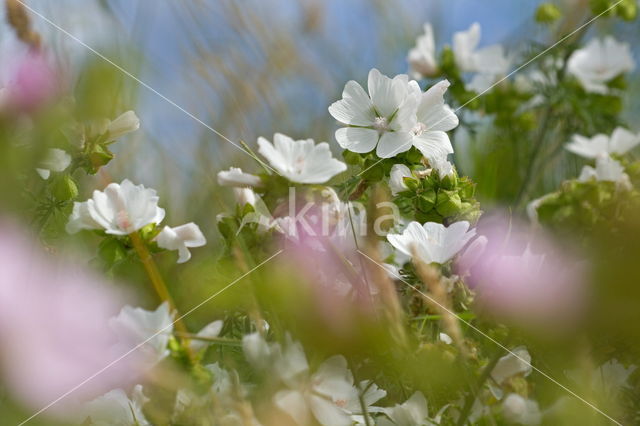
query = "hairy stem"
{"x": 158, "y": 284}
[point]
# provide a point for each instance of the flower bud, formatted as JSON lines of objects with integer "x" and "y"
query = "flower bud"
{"x": 125, "y": 123}
{"x": 548, "y": 13}
{"x": 449, "y": 203}
{"x": 627, "y": 10}
{"x": 98, "y": 158}
{"x": 65, "y": 188}
{"x": 427, "y": 200}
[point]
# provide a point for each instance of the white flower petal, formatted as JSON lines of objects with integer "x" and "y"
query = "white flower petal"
{"x": 355, "y": 107}
{"x": 357, "y": 139}
{"x": 394, "y": 143}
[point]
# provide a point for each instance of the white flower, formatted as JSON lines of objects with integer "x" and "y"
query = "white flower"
{"x": 517, "y": 362}
{"x": 301, "y": 161}
{"x": 422, "y": 58}
{"x": 442, "y": 166}
{"x": 125, "y": 123}
{"x": 517, "y": 409}
{"x": 258, "y": 351}
{"x": 434, "y": 118}
{"x": 488, "y": 60}
{"x": 133, "y": 326}
{"x": 236, "y": 177}
{"x": 432, "y": 241}
{"x": 329, "y": 395}
{"x": 413, "y": 412}
{"x": 120, "y": 210}
{"x": 245, "y": 196}
{"x": 620, "y": 142}
{"x": 115, "y": 408}
{"x": 607, "y": 169}
{"x": 612, "y": 376}
{"x": 384, "y": 118}
{"x": 56, "y": 160}
{"x": 599, "y": 62}
{"x": 445, "y": 338}
{"x": 396, "y": 181}
{"x": 208, "y": 331}
{"x": 181, "y": 238}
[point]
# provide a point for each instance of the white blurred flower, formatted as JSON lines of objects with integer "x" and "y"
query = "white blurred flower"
{"x": 607, "y": 169}
{"x": 620, "y": 142}
{"x": 413, "y": 412}
{"x": 301, "y": 161}
{"x": 116, "y": 408}
{"x": 181, "y": 238}
{"x": 609, "y": 378}
{"x": 125, "y": 123}
{"x": 434, "y": 118}
{"x": 135, "y": 326}
{"x": 516, "y": 362}
{"x": 209, "y": 331}
{"x": 245, "y": 196}
{"x": 422, "y": 58}
{"x": 517, "y": 409}
{"x": 487, "y": 60}
{"x": 329, "y": 395}
{"x": 432, "y": 241}
{"x": 56, "y": 160}
{"x": 396, "y": 181}
{"x": 119, "y": 210}
{"x": 382, "y": 118}
{"x": 445, "y": 338}
{"x": 236, "y": 177}
{"x": 599, "y": 62}
{"x": 258, "y": 351}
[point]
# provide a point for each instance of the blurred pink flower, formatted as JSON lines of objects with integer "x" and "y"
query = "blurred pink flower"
{"x": 522, "y": 276}
{"x": 54, "y": 328}
{"x": 31, "y": 81}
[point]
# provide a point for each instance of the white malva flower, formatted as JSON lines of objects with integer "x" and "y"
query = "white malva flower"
{"x": 433, "y": 119}
{"x": 236, "y": 177}
{"x": 607, "y": 169}
{"x": 245, "y": 196}
{"x": 620, "y": 142}
{"x": 599, "y": 62}
{"x": 181, "y": 238}
{"x": 329, "y": 395}
{"x": 422, "y": 58}
{"x": 300, "y": 161}
{"x": 487, "y": 60}
{"x": 133, "y": 326}
{"x": 209, "y": 331}
{"x": 517, "y": 362}
{"x": 116, "y": 408}
{"x": 396, "y": 178}
{"x": 518, "y": 410}
{"x": 125, "y": 123}
{"x": 56, "y": 160}
{"x": 433, "y": 242}
{"x": 384, "y": 117}
{"x": 119, "y": 210}
{"x": 413, "y": 412}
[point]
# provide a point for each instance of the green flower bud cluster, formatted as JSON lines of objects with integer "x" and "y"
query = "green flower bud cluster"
{"x": 586, "y": 206}
{"x": 442, "y": 200}
{"x": 626, "y": 9}
{"x": 548, "y": 13}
